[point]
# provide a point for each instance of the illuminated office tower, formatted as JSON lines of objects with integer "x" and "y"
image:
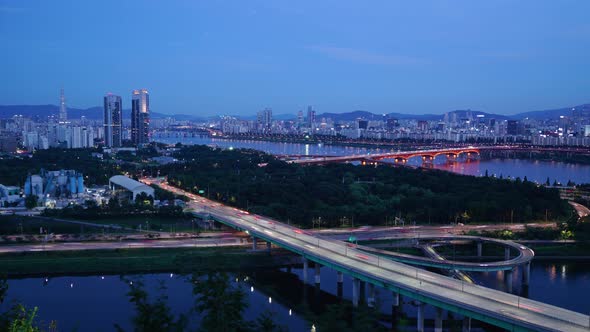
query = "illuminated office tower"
{"x": 112, "y": 120}
{"x": 140, "y": 117}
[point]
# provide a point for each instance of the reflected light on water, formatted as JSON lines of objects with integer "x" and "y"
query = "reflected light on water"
{"x": 552, "y": 272}
{"x": 500, "y": 276}
{"x": 563, "y": 272}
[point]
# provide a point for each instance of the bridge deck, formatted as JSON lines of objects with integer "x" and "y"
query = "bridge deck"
{"x": 503, "y": 309}
{"x": 481, "y": 303}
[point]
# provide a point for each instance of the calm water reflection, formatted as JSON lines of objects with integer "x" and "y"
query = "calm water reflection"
{"x": 95, "y": 303}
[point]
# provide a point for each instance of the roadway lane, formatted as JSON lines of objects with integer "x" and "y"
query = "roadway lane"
{"x": 400, "y": 232}
{"x": 66, "y": 246}
{"x": 580, "y": 209}
{"x": 525, "y": 255}
{"x": 432, "y": 287}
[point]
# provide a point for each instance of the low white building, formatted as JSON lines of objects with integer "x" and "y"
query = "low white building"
{"x": 129, "y": 187}
{"x": 9, "y": 194}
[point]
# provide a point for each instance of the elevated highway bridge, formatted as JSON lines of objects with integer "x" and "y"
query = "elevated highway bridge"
{"x": 494, "y": 307}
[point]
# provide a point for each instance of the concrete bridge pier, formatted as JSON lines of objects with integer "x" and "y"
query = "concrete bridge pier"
{"x": 479, "y": 248}
{"x": 371, "y": 297}
{"x": 305, "y": 266}
{"x": 339, "y": 281}
{"x": 438, "y": 320}
{"x": 506, "y": 253}
{"x": 254, "y": 243}
{"x": 317, "y": 274}
{"x": 451, "y": 158}
{"x": 526, "y": 274}
{"x": 395, "y": 302}
{"x": 466, "y": 324}
{"x": 362, "y": 291}
{"x": 420, "y": 317}
{"x": 508, "y": 280}
{"x": 355, "y": 292}
{"x": 268, "y": 247}
{"x": 395, "y": 308}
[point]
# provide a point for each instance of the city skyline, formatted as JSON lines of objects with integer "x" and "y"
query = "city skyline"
{"x": 287, "y": 56}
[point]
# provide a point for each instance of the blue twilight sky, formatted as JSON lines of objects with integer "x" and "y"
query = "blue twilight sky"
{"x": 237, "y": 57}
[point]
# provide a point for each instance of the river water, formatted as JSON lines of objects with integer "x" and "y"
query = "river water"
{"x": 537, "y": 171}
{"x": 97, "y": 303}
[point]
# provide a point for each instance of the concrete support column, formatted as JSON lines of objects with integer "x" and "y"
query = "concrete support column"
{"x": 420, "y": 317}
{"x": 526, "y": 274}
{"x": 395, "y": 309}
{"x": 355, "y": 292}
{"x": 506, "y": 253}
{"x": 362, "y": 291}
{"x": 253, "y": 243}
{"x": 317, "y": 274}
{"x": 466, "y": 324}
{"x": 395, "y": 302}
{"x": 305, "y": 266}
{"x": 371, "y": 297}
{"x": 339, "y": 281}
{"x": 268, "y": 247}
{"x": 479, "y": 248}
{"x": 508, "y": 277}
{"x": 438, "y": 320}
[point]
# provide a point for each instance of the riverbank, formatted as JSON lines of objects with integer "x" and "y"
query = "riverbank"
{"x": 121, "y": 261}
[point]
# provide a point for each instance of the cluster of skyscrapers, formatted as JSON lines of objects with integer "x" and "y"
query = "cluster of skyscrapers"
{"x": 140, "y": 118}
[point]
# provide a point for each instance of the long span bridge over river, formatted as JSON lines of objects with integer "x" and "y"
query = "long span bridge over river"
{"x": 427, "y": 156}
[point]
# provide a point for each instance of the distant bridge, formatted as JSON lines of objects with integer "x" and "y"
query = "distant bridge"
{"x": 428, "y": 156}
{"x": 402, "y": 157}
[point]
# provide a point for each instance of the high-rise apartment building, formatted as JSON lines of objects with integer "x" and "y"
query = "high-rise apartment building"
{"x": 310, "y": 117}
{"x": 300, "y": 118}
{"x": 112, "y": 120}
{"x": 140, "y": 117}
{"x": 264, "y": 120}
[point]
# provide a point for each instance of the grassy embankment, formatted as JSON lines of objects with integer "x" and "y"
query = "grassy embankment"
{"x": 22, "y": 225}
{"x": 136, "y": 260}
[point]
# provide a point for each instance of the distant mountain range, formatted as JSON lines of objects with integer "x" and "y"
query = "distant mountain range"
{"x": 95, "y": 113}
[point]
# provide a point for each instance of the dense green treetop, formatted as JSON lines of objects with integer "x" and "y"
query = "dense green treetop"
{"x": 341, "y": 193}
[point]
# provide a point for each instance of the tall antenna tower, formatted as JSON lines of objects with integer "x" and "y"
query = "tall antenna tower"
{"x": 63, "y": 113}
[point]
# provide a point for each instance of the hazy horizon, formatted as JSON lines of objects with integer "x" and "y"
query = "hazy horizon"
{"x": 208, "y": 58}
